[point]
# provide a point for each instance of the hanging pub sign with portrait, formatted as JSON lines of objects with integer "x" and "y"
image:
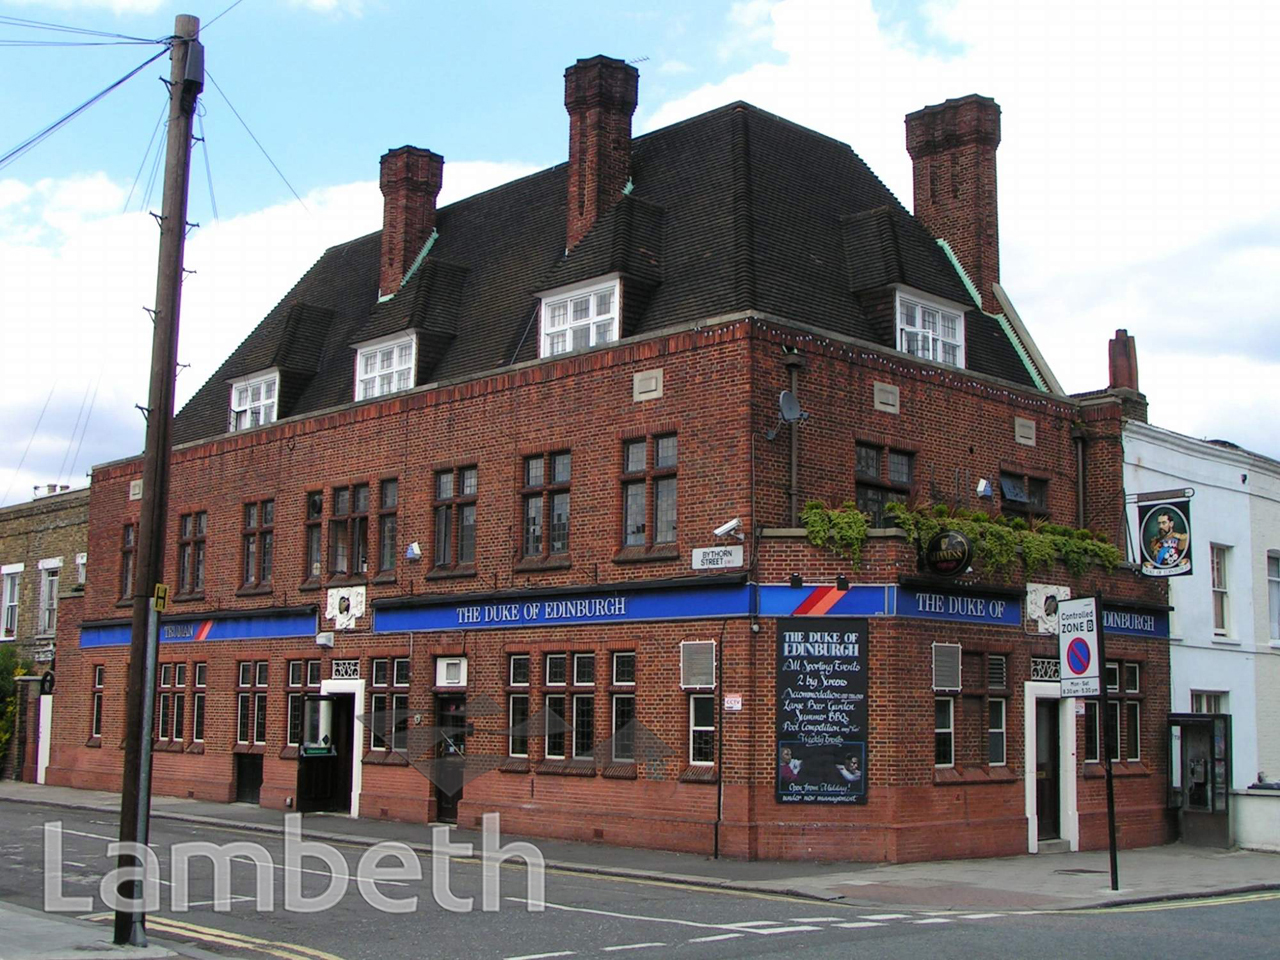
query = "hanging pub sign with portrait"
{"x": 1164, "y": 538}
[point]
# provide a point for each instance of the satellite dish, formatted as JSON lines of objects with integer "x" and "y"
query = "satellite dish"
{"x": 788, "y": 412}
{"x": 789, "y": 407}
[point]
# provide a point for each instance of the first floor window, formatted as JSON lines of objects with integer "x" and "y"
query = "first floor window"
{"x": 128, "y": 553}
{"x": 191, "y": 550}
{"x": 1221, "y": 610}
{"x": 518, "y": 717}
{"x": 624, "y": 728}
{"x": 882, "y": 476}
{"x": 49, "y": 600}
{"x": 1273, "y": 594}
{"x": 455, "y": 516}
{"x": 649, "y": 505}
{"x": 996, "y": 732}
{"x": 944, "y": 731}
{"x": 9, "y": 625}
{"x": 702, "y": 729}
{"x": 349, "y": 531}
{"x": 388, "y": 501}
{"x": 259, "y": 541}
{"x": 1205, "y": 702}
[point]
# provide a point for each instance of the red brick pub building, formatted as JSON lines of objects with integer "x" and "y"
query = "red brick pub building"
{"x": 452, "y": 531}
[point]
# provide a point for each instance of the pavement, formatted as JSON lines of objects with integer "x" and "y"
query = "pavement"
{"x": 1043, "y": 882}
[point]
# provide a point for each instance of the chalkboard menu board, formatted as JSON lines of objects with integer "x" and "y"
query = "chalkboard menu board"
{"x": 821, "y": 752}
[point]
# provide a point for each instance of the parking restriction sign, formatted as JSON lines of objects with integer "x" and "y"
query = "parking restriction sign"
{"x": 1078, "y": 647}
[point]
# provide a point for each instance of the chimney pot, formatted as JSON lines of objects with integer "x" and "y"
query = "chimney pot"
{"x": 600, "y": 95}
{"x": 410, "y": 180}
{"x": 953, "y": 153}
{"x": 1122, "y": 356}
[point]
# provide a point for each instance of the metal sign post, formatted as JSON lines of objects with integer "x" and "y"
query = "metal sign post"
{"x": 1103, "y": 714}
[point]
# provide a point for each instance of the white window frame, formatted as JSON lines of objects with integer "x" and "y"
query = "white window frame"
{"x": 624, "y": 683}
{"x": 694, "y": 729}
{"x": 573, "y": 727}
{"x": 12, "y": 586}
{"x": 511, "y": 670}
{"x": 371, "y": 384}
{"x": 1136, "y": 706}
{"x": 614, "y": 727}
{"x": 582, "y": 659}
{"x": 1219, "y": 563}
{"x": 555, "y": 335}
{"x": 511, "y": 734}
{"x": 242, "y": 407}
{"x": 47, "y": 612}
{"x": 911, "y": 318}
{"x": 949, "y": 730}
{"x": 82, "y": 568}
{"x": 1202, "y": 700}
{"x": 1273, "y": 593}
{"x": 1003, "y": 730}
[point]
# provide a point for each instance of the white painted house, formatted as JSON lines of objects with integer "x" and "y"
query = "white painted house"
{"x": 1225, "y": 627}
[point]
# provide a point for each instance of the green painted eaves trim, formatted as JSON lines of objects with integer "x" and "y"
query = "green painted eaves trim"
{"x": 422, "y": 255}
{"x": 1036, "y": 376}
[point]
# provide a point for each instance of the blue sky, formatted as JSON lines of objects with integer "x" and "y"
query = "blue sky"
{"x": 1135, "y": 169}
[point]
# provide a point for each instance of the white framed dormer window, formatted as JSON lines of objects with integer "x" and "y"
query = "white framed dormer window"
{"x": 254, "y": 400}
{"x": 578, "y": 318}
{"x": 930, "y": 330}
{"x": 385, "y": 366}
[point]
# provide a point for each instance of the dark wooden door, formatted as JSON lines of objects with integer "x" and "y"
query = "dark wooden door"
{"x": 1048, "y": 817}
{"x": 248, "y": 777}
{"x": 450, "y": 763}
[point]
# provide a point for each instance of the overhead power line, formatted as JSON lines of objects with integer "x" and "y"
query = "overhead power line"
{"x": 254, "y": 139}
{"x": 221, "y": 15}
{"x": 66, "y": 118}
{"x": 8, "y": 21}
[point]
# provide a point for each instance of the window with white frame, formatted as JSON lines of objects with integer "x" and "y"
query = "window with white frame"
{"x": 930, "y": 331}
{"x": 253, "y": 400}
{"x": 944, "y": 732}
{"x": 9, "y": 612}
{"x": 1221, "y": 608}
{"x": 996, "y": 732}
{"x": 385, "y": 367}
{"x": 579, "y": 319}
{"x": 1273, "y": 593}
{"x": 50, "y": 571}
{"x": 702, "y": 730}
{"x": 1207, "y": 701}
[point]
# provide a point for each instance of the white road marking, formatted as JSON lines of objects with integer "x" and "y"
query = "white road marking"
{"x": 69, "y": 863}
{"x": 979, "y": 916}
{"x": 769, "y": 926}
{"x": 542, "y": 956}
{"x": 718, "y": 936}
{"x": 932, "y": 920}
{"x": 634, "y": 916}
{"x": 884, "y": 916}
{"x": 859, "y": 924}
{"x": 95, "y": 836}
{"x": 633, "y": 946}
{"x": 235, "y": 898}
{"x": 814, "y": 919}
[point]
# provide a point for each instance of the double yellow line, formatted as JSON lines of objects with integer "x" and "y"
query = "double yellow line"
{"x": 1221, "y": 901}
{"x": 274, "y": 948}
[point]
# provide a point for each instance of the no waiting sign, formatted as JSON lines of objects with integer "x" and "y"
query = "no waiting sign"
{"x": 1078, "y": 647}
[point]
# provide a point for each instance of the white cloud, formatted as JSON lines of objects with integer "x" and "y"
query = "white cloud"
{"x": 674, "y": 67}
{"x": 750, "y": 23}
{"x": 1136, "y": 169}
{"x": 78, "y": 273}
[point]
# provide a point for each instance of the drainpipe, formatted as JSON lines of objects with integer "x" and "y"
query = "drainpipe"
{"x": 1077, "y": 434}
{"x": 794, "y": 364}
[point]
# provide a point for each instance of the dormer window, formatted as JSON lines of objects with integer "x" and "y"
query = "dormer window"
{"x": 385, "y": 366}
{"x": 253, "y": 400}
{"x": 579, "y": 318}
{"x": 930, "y": 331}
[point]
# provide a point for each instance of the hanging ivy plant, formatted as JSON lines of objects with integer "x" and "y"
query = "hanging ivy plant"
{"x": 843, "y": 530}
{"x": 997, "y": 540}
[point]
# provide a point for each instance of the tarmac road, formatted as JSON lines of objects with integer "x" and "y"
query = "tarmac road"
{"x": 589, "y": 915}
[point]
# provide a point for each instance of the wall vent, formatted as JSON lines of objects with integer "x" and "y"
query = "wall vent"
{"x": 946, "y": 666}
{"x": 697, "y": 663}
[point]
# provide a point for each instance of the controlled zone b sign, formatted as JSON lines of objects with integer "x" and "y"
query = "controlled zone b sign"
{"x": 1078, "y": 647}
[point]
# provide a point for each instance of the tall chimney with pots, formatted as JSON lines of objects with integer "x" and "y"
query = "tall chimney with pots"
{"x": 600, "y": 95}
{"x": 953, "y": 153}
{"x": 410, "y": 182}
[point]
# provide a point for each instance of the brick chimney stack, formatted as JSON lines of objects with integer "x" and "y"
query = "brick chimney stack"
{"x": 1122, "y": 354}
{"x": 600, "y": 95}
{"x": 953, "y": 153}
{"x": 410, "y": 182}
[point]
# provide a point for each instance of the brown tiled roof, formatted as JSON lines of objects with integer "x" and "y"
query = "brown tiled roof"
{"x": 734, "y": 210}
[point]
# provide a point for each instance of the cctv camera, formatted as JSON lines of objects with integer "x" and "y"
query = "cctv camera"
{"x": 984, "y": 488}
{"x": 731, "y": 526}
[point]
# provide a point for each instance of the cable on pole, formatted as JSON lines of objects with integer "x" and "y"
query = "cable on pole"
{"x": 164, "y": 108}
{"x": 208, "y": 170}
{"x": 66, "y": 118}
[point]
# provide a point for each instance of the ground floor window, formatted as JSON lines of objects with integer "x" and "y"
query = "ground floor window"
{"x": 624, "y": 728}
{"x": 555, "y": 726}
{"x": 996, "y": 732}
{"x": 702, "y": 729}
{"x": 944, "y": 709}
{"x": 518, "y": 717}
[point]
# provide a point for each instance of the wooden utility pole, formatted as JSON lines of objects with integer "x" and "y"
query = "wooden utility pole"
{"x": 186, "y": 80}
